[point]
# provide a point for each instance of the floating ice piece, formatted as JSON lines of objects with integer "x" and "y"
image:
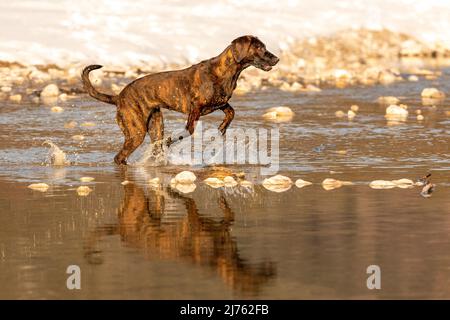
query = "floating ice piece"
{"x": 88, "y": 124}
{"x": 184, "y": 182}
{"x": 87, "y": 179}
{"x": 57, "y": 109}
{"x": 277, "y": 187}
{"x": 184, "y": 187}
{"x": 387, "y": 77}
{"x": 278, "y": 180}
{"x": 312, "y": 88}
{"x": 229, "y": 182}
{"x": 277, "y": 183}
{"x": 404, "y": 183}
{"x": 56, "y": 155}
{"x": 388, "y": 100}
{"x": 354, "y": 108}
{"x": 300, "y": 183}
{"x": 339, "y": 114}
{"x": 341, "y": 74}
{"x": 184, "y": 177}
{"x": 351, "y": 114}
{"x": 125, "y": 182}
{"x": 62, "y": 97}
{"x": 432, "y": 77}
{"x": 42, "y": 187}
{"x": 394, "y": 112}
{"x": 296, "y": 87}
{"x": 280, "y": 114}
{"x": 272, "y": 115}
{"x": 382, "y": 184}
{"x": 386, "y": 184}
{"x": 50, "y": 90}
{"x": 214, "y": 182}
{"x": 291, "y": 87}
{"x": 285, "y": 86}
{"x": 70, "y": 124}
{"x": 15, "y": 98}
{"x": 83, "y": 191}
{"x": 432, "y": 93}
{"x": 397, "y": 110}
{"x": 245, "y": 183}
{"x": 330, "y": 184}
{"x": 78, "y": 137}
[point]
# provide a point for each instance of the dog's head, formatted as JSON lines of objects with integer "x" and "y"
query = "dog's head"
{"x": 249, "y": 50}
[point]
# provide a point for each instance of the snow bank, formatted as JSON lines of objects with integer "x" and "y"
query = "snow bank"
{"x": 138, "y": 32}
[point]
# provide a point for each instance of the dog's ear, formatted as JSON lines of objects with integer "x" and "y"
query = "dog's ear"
{"x": 240, "y": 47}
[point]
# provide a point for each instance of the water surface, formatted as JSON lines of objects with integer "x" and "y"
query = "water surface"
{"x": 137, "y": 241}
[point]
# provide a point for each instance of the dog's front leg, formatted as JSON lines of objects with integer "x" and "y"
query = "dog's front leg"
{"x": 229, "y": 115}
{"x": 194, "y": 115}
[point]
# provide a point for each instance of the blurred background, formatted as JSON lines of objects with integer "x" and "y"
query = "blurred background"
{"x": 125, "y": 32}
{"x": 361, "y": 94}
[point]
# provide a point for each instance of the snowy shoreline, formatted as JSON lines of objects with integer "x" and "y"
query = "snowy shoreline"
{"x": 164, "y": 33}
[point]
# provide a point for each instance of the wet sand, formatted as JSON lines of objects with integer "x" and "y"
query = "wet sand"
{"x": 135, "y": 241}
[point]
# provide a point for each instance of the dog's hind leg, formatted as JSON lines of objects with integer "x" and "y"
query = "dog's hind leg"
{"x": 134, "y": 130}
{"x": 155, "y": 128}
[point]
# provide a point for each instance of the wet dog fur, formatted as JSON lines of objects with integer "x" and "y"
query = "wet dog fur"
{"x": 196, "y": 91}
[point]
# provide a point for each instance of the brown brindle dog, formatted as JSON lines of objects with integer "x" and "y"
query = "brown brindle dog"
{"x": 197, "y": 91}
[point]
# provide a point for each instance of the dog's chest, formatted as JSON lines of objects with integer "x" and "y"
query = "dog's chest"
{"x": 220, "y": 97}
{"x": 214, "y": 89}
{"x": 222, "y": 92}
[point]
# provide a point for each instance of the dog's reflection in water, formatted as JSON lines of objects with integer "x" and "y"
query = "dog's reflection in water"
{"x": 188, "y": 238}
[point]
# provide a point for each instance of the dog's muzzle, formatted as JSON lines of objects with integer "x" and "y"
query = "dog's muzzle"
{"x": 269, "y": 61}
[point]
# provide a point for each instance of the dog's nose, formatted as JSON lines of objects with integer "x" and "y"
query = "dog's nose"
{"x": 275, "y": 60}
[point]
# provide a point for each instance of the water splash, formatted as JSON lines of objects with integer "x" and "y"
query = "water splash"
{"x": 155, "y": 155}
{"x": 199, "y": 153}
{"x": 56, "y": 156}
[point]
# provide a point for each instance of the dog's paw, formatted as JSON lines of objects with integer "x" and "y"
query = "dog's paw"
{"x": 222, "y": 130}
{"x": 169, "y": 142}
{"x": 119, "y": 161}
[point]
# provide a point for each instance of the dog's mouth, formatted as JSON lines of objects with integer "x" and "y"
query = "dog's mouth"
{"x": 267, "y": 63}
{"x": 264, "y": 65}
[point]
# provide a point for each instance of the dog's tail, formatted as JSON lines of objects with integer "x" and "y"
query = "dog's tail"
{"x": 91, "y": 90}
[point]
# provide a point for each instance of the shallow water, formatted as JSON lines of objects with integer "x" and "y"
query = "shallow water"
{"x": 135, "y": 241}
